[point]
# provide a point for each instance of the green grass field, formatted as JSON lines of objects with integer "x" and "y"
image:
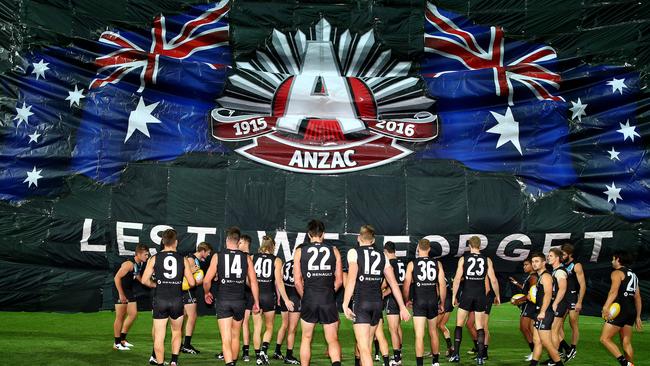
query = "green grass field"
{"x": 86, "y": 339}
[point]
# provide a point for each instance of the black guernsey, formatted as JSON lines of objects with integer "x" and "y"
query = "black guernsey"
{"x": 232, "y": 269}
{"x": 627, "y": 289}
{"x": 169, "y": 270}
{"x": 264, "y": 265}
{"x": 539, "y": 297}
{"x": 130, "y": 278}
{"x": 425, "y": 280}
{"x": 573, "y": 286}
{"x": 318, "y": 266}
{"x": 370, "y": 275}
{"x": 474, "y": 272}
{"x": 556, "y": 286}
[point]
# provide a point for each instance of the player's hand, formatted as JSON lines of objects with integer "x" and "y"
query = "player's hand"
{"x": 123, "y": 299}
{"x": 208, "y": 298}
{"x": 195, "y": 268}
{"x": 554, "y": 307}
{"x": 349, "y": 314}
{"x": 256, "y": 308}
{"x": 455, "y": 303}
{"x": 513, "y": 281}
{"x": 409, "y": 304}
{"x": 639, "y": 324}
{"x": 497, "y": 300}
{"x": 578, "y": 307}
{"x": 540, "y": 316}
{"x": 289, "y": 304}
{"x": 441, "y": 309}
{"x": 404, "y": 314}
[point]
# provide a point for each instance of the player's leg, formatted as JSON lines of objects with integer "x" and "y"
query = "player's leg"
{"x": 486, "y": 329}
{"x": 574, "y": 321}
{"x": 433, "y": 340}
{"x": 269, "y": 320}
{"x": 608, "y": 332}
{"x": 190, "y": 322}
{"x": 461, "y": 317}
{"x": 225, "y": 330}
{"x": 257, "y": 334}
{"x": 378, "y": 331}
{"x": 442, "y": 326}
{"x": 419, "y": 322}
{"x": 236, "y": 329}
{"x": 395, "y": 338}
{"x": 546, "y": 338}
{"x": 479, "y": 324}
{"x": 556, "y": 331}
{"x": 282, "y": 332}
{"x": 332, "y": 337}
{"x": 294, "y": 320}
{"x": 159, "y": 332}
{"x": 305, "y": 341}
{"x": 177, "y": 334}
{"x": 526, "y": 328}
{"x": 131, "y": 316}
{"x": 120, "y": 316}
{"x": 538, "y": 348}
{"x": 626, "y": 340}
{"x": 364, "y": 337}
{"x": 246, "y": 336}
{"x": 471, "y": 328}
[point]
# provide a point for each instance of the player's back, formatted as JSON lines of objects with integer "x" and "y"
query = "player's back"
{"x": 169, "y": 269}
{"x": 370, "y": 276}
{"x": 264, "y": 264}
{"x": 232, "y": 269}
{"x": 627, "y": 289}
{"x": 474, "y": 272}
{"x": 318, "y": 266}
{"x": 425, "y": 280}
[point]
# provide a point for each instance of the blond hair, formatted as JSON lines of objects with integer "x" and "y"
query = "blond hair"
{"x": 474, "y": 242}
{"x": 268, "y": 245}
{"x": 367, "y": 232}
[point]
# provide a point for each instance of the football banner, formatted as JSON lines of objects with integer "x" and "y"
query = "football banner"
{"x": 438, "y": 120}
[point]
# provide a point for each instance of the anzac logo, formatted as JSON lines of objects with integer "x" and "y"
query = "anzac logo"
{"x": 323, "y": 102}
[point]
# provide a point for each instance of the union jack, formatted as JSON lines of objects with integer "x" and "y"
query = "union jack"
{"x": 198, "y": 34}
{"x": 456, "y": 43}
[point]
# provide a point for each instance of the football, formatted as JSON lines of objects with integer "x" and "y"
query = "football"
{"x": 532, "y": 294}
{"x": 198, "y": 275}
{"x": 516, "y": 298}
{"x": 614, "y": 310}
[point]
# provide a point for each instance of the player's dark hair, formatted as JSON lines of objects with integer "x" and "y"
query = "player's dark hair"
{"x": 538, "y": 255}
{"x": 141, "y": 248}
{"x": 624, "y": 258}
{"x": 315, "y": 228}
{"x": 528, "y": 259}
{"x": 389, "y": 247}
{"x": 557, "y": 252}
{"x": 246, "y": 238}
{"x": 204, "y": 247}
{"x": 168, "y": 237}
{"x": 568, "y": 248}
{"x": 233, "y": 233}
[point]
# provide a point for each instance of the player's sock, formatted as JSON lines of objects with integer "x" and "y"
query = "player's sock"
{"x": 188, "y": 341}
{"x": 476, "y": 344}
{"x": 174, "y": 358}
{"x": 123, "y": 336}
{"x": 485, "y": 351}
{"x": 265, "y": 347}
{"x": 357, "y": 361}
{"x": 257, "y": 353}
{"x": 458, "y": 337}
{"x": 419, "y": 361}
{"x": 480, "y": 343}
{"x": 565, "y": 346}
{"x": 398, "y": 354}
{"x": 533, "y": 362}
{"x": 435, "y": 358}
{"x": 448, "y": 340}
{"x": 336, "y": 363}
{"x": 245, "y": 349}
{"x": 376, "y": 342}
{"x": 559, "y": 363}
{"x": 386, "y": 360}
{"x": 531, "y": 345}
{"x": 118, "y": 340}
{"x": 289, "y": 352}
{"x": 153, "y": 352}
{"x": 622, "y": 360}
{"x": 278, "y": 348}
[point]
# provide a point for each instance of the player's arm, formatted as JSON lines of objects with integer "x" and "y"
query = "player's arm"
{"x": 338, "y": 271}
{"x": 408, "y": 279}
{"x": 617, "y": 278}
{"x": 637, "y": 305}
{"x": 547, "y": 283}
{"x": 209, "y": 277}
{"x": 442, "y": 286}
{"x": 353, "y": 270}
{"x": 516, "y": 283}
{"x": 561, "y": 288}
{"x": 385, "y": 288}
{"x": 297, "y": 272}
{"x": 148, "y": 272}
{"x": 457, "y": 277}
{"x": 125, "y": 268}
{"x": 187, "y": 272}
{"x": 493, "y": 280}
{"x": 193, "y": 268}
{"x": 389, "y": 276}
{"x": 279, "y": 285}
{"x": 580, "y": 275}
{"x": 252, "y": 280}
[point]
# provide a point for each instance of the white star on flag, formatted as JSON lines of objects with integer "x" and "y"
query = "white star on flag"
{"x": 33, "y": 177}
{"x": 613, "y": 193}
{"x": 507, "y": 129}
{"x": 22, "y": 114}
{"x": 617, "y": 85}
{"x": 34, "y": 137}
{"x": 613, "y": 154}
{"x": 140, "y": 117}
{"x": 578, "y": 110}
{"x": 75, "y": 96}
{"x": 628, "y": 131}
{"x": 40, "y": 68}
